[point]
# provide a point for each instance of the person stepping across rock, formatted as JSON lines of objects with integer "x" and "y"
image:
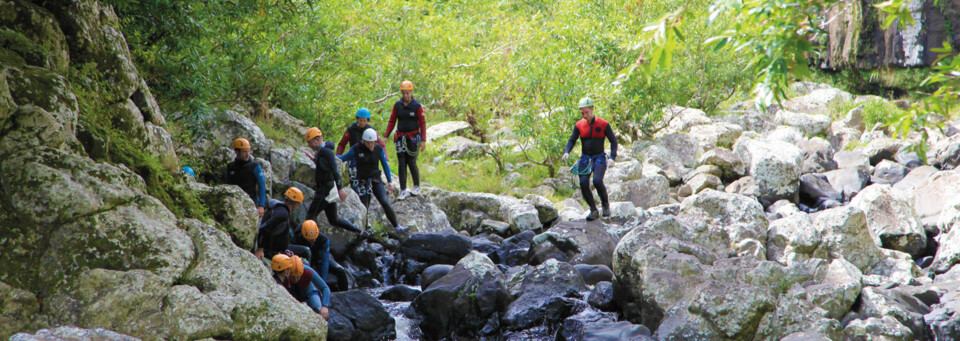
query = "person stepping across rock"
{"x": 592, "y": 131}
{"x": 411, "y": 137}
{"x": 369, "y": 156}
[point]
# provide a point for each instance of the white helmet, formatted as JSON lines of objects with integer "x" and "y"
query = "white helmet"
{"x": 370, "y": 135}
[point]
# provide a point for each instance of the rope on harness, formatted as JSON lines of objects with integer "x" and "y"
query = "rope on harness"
{"x": 405, "y": 147}
{"x": 587, "y": 163}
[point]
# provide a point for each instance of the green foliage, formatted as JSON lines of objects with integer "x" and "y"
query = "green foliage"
{"x": 98, "y": 117}
{"x": 877, "y": 111}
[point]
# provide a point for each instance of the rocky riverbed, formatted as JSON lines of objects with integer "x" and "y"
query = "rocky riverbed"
{"x": 795, "y": 223}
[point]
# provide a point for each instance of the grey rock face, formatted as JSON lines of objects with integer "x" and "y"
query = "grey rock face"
{"x": 355, "y": 315}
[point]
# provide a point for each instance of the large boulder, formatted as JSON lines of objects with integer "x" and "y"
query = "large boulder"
{"x": 774, "y": 164}
{"x": 467, "y": 302}
{"x": 849, "y": 181}
{"x": 810, "y": 125}
{"x": 545, "y": 296}
{"x": 21, "y": 311}
{"x": 719, "y": 134}
{"x": 844, "y": 234}
{"x": 436, "y": 248}
{"x": 445, "y": 129}
{"x": 818, "y": 101}
{"x": 416, "y": 212}
{"x": 520, "y": 215}
{"x": 233, "y": 211}
{"x": 355, "y": 315}
{"x": 930, "y": 198}
{"x": 731, "y": 166}
{"x": 578, "y": 242}
{"x": 73, "y": 334}
{"x": 459, "y": 147}
{"x": 792, "y": 239}
{"x": 891, "y": 219}
{"x": 646, "y": 192}
{"x": 883, "y": 148}
{"x": 734, "y": 224}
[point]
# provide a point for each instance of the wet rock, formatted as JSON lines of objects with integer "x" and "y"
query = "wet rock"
{"x": 492, "y": 226}
{"x": 436, "y": 248}
{"x": 355, "y": 315}
{"x": 73, "y": 334}
{"x": 601, "y": 297}
{"x": 578, "y": 242}
{"x": 433, "y": 273}
{"x": 892, "y": 221}
{"x": 735, "y": 310}
{"x": 775, "y": 165}
{"x": 604, "y": 330}
{"x": 545, "y": 296}
{"x": 888, "y": 172}
{"x": 849, "y": 181}
{"x": 400, "y": 293}
{"x": 593, "y": 274}
{"x": 416, "y": 212}
{"x": 514, "y": 250}
{"x": 810, "y": 125}
{"x": 466, "y": 302}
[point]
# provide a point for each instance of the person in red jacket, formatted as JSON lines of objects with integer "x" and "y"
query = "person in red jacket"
{"x": 411, "y": 133}
{"x": 592, "y": 131}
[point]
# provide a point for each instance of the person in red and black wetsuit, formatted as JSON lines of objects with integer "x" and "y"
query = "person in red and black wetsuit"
{"x": 411, "y": 133}
{"x": 592, "y": 131}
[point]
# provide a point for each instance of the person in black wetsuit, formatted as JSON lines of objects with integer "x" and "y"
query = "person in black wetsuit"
{"x": 327, "y": 177}
{"x": 592, "y": 131}
{"x": 273, "y": 235}
{"x": 352, "y": 137}
{"x": 368, "y": 155}
{"x": 245, "y": 172}
{"x": 411, "y": 133}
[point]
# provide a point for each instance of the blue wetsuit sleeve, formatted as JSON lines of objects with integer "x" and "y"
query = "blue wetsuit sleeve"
{"x": 262, "y": 187}
{"x": 385, "y": 163}
{"x": 613, "y": 142}
{"x": 572, "y": 141}
{"x": 322, "y": 287}
{"x": 348, "y": 156}
{"x": 307, "y": 292}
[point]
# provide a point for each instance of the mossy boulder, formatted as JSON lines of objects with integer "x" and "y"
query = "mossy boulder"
{"x": 33, "y": 33}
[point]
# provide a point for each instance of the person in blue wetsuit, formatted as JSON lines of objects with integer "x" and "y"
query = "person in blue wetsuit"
{"x": 310, "y": 244}
{"x": 367, "y": 156}
{"x": 302, "y": 282}
{"x": 592, "y": 131}
{"x": 245, "y": 172}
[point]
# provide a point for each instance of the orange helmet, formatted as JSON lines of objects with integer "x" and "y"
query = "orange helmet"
{"x": 241, "y": 143}
{"x": 294, "y": 194}
{"x": 406, "y": 85}
{"x": 310, "y": 230}
{"x": 312, "y": 133}
{"x": 281, "y": 262}
{"x": 296, "y": 270}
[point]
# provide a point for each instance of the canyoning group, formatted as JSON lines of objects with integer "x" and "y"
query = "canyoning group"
{"x": 299, "y": 254}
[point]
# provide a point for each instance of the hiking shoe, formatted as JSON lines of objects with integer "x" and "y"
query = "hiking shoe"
{"x": 593, "y": 215}
{"x": 403, "y": 195}
{"x": 606, "y": 211}
{"x": 415, "y": 191}
{"x": 402, "y": 229}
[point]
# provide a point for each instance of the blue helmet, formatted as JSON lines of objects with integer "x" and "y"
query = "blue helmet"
{"x": 189, "y": 170}
{"x": 363, "y": 112}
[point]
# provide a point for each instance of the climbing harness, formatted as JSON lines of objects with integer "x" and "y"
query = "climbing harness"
{"x": 588, "y": 163}
{"x": 403, "y": 144}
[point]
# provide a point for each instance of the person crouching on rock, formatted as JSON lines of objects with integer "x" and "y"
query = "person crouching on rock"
{"x": 327, "y": 177}
{"x": 246, "y": 173}
{"x": 352, "y": 137}
{"x": 310, "y": 244}
{"x": 367, "y": 155}
{"x": 302, "y": 282}
{"x": 592, "y": 131}
{"x": 273, "y": 235}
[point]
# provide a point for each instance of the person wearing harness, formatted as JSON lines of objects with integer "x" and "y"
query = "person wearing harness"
{"x": 351, "y": 137}
{"x": 592, "y": 131}
{"x": 411, "y": 132}
{"x": 245, "y": 172}
{"x": 302, "y": 282}
{"x": 367, "y": 155}
{"x": 273, "y": 235}
{"x": 327, "y": 177}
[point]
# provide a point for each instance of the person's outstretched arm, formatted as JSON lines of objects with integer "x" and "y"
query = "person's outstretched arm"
{"x": 613, "y": 142}
{"x": 342, "y": 145}
{"x": 391, "y": 123}
{"x": 261, "y": 187}
{"x": 385, "y": 164}
{"x": 572, "y": 141}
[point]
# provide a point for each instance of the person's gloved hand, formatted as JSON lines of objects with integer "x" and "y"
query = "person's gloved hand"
{"x": 565, "y": 157}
